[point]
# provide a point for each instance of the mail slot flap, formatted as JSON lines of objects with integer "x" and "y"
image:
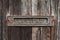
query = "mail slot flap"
{"x": 29, "y": 21}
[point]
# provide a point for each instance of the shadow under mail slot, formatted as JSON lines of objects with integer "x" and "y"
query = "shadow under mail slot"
{"x": 29, "y": 21}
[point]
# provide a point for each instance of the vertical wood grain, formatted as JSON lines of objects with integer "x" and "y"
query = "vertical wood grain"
{"x": 34, "y": 33}
{"x": 20, "y": 7}
{"x": 24, "y": 7}
{"x": 43, "y": 7}
{"x": 34, "y": 7}
{"x": 59, "y": 21}
{"x": 53, "y": 33}
{"x": 30, "y": 7}
{"x": 46, "y": 33}
{"x": 5, "y": 10}
{"x": 11, "y": 7}
{"x": 16, "y": 7}
{"x": 0, "y": 19}
{"x": 20, "y": 33}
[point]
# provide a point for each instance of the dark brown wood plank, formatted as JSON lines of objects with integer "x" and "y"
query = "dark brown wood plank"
{"x": 20, "y": 33}
{"x": 0, "y": 19}
{"x": 9, "y": 33}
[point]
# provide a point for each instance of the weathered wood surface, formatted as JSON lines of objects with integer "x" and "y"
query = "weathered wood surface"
{"x": 20, "y": 7}
{"x": 33, "y": 8}
{"x": 20, "y": 33}
{"x": 34, "y": 33}
{"x": 5, "y": 10}
{"x": 43, "y": 9}
{"x": 55, "y": 11}
{"x": 0, "y": 19}
{"x": 58, "y": 30}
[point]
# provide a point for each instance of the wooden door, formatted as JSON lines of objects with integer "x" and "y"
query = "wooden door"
{"x": 28, "y": 8}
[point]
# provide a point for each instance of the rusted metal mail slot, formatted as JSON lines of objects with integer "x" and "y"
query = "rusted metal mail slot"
{"x": 29, "y": 21}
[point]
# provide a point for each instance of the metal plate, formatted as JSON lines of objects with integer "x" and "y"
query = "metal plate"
{"x": 29, "y": 21}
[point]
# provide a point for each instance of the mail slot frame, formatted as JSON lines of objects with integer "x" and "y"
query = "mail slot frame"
{"x": 12, "y": 18}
